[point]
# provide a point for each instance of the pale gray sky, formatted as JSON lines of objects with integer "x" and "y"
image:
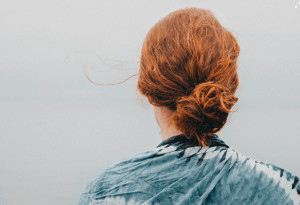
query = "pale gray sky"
{"x": 58, "y": 129}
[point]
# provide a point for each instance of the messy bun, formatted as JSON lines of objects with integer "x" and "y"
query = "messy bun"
{"x": 189, "y": 64}
{"x": 204, "y": 111}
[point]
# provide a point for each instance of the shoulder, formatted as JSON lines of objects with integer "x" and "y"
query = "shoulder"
{"x": 262, "y": 181}
{"x": 111, "y": 180}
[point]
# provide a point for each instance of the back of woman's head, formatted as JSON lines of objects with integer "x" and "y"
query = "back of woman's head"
{"x": 189, "y": 64}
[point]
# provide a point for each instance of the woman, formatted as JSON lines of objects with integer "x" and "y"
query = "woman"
{"x": 188, "y": 72}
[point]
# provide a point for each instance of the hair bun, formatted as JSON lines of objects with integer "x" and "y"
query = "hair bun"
{"x": 204, "y": 112}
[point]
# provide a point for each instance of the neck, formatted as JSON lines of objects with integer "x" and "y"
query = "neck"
{"x": 163, "y": 115}
{"x": 167, "y": 130}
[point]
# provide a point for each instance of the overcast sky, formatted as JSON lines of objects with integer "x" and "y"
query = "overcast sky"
{"x": 58, "y": 129}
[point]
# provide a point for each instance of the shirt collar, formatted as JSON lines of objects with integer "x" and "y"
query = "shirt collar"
{"x": 181, "y": 139}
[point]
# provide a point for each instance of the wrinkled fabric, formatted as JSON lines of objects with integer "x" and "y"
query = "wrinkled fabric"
{"x": 178, "y": 171}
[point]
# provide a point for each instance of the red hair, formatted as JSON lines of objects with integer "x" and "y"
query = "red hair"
{"x": 189, "y": 64}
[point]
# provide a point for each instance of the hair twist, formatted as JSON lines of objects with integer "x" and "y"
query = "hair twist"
{"x": 203, "y": 112}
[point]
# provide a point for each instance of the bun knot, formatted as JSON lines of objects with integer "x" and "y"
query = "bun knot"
{"x": 204, "y": 111}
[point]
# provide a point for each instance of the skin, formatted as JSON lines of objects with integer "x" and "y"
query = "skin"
{"x": 167, "y": 130}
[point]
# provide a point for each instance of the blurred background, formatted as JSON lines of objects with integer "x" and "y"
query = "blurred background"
{"x": 58, "y": 129}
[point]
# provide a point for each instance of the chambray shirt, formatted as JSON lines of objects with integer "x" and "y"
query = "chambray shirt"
{"x": 178, "y": 171}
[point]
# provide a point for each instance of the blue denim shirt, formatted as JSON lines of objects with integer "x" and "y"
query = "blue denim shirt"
{"x": 178, "y": 171}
